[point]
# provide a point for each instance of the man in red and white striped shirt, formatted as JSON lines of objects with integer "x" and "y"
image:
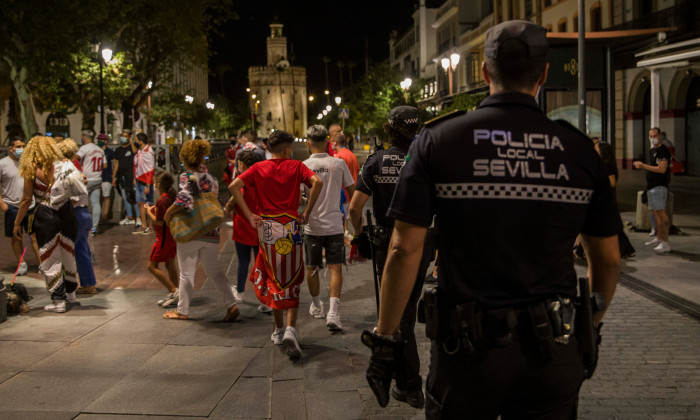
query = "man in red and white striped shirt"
{"x": 144, "y": 171}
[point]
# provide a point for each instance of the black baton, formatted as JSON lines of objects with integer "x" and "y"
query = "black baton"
{"x": 374, "y": 264}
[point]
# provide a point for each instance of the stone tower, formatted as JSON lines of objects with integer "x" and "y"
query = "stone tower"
{"x": 280, "y": 88}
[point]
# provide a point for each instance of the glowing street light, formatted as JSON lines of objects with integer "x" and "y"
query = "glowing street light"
{"x": 325, "y": 112}
{"x": 107, "y": 54}
{"x": 319, "y": 117}
{"x": 338, "y": 99}
{"x": 328, "y": 108}
{"x": 189, "y": 99}
{"x": 253, "y": 96}
{"x": 247, "y": 89}
{"x": 210, "y": 105}
{"x": 326, "y": 92}
{"x": 311, "y": 98}
{"x": 405, "y": 84}
{"x": 449, "y": 65}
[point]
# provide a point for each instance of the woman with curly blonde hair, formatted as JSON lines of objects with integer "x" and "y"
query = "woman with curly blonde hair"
{"x": 193, "y": 181}
{"x": 83, "y": 258}
{"x": 52, "y": 181}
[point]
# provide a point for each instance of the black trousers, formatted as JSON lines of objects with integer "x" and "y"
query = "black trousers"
{"x": 508, "y": 381}
{"x": 408, "y": 378}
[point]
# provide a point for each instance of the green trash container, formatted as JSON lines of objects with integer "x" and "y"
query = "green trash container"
{"x": 3, "y": 301}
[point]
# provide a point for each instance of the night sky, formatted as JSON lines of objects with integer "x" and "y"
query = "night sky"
{"x": 314, "y": 28}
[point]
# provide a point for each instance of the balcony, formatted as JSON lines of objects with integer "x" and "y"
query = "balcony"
{"x": 684, "y": 16}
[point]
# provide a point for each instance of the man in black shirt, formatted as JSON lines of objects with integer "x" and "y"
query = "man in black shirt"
{"x": 123, "y": 175}
{"x": 658, "y": 172}
{"x": 510, "y": 190}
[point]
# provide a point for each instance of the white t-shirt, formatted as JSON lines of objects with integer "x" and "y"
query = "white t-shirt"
{"x": 92, "y": 157}
{"x": 326, "y": 217}
{"x": 11, "y": 185}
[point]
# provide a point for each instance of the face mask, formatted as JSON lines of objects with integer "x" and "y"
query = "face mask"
{"x": 123, "y": 140}
{"x": 18, "y": 153}
{"x": 654, "y": 141}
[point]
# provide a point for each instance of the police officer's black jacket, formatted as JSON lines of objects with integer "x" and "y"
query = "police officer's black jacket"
{"x": 378, "y": 179}
{"x": 511, "y": 190}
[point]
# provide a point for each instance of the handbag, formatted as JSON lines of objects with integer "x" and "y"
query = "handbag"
{"x": 205, "y": 216}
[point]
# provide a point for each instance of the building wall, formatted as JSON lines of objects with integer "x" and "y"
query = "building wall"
{"x": 275, "y": 89}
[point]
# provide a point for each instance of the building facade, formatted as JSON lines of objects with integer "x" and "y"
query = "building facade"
{"x": 278, "y": 90}
{"x": 642, "y": 65}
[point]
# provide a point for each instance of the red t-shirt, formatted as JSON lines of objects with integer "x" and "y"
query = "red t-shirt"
{"x": 243, "y": 233}
{"x": 162, "y": 205}
{"x": 276, "y": 183}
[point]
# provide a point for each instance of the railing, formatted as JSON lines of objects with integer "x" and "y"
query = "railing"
{"x": 445, "y": 8}
{"x": 684, "y": 16}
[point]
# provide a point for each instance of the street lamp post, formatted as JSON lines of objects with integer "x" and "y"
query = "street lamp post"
{"x": 449, "y": 65}
{"x": 149, "y": 132}
{"x": 104, "y": 57}
{"x": 338, "y": 100}
{"x": 405, "y": 84}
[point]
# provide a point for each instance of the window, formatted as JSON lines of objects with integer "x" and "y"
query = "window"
{"x": 561, "y": 26}
{"x": 574, "y": 21}
{"x": 528, "y": 8}
{"x": 549, "y": 28}
{"x": 473, "y": 68}
{"x": 596, "y": 18}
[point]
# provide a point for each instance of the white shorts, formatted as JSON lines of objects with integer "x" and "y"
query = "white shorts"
{"x": 106, "y": 189}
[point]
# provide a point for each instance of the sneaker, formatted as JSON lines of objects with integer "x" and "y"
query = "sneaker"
{"x": 663, "y": 247}
{"x": 171, "y": 299}
{"x": 237, "y": 297}
{"x": 316, "y": 311}
{"x": 264, "y": 309}
{"x": 413, "y": 398}
{"x": 127, "y": 221}
{"x": 160, "y": 301}
{"x": 333, "y": 321}
{"x": 291, "y": 341}
{"x": 146, "y": 231}
{"x": 93, "y": 232}
{"x": 71, "y": 298}
{"x": 23, "y": 268}
{"x": 653, "y": 242}
{"x": 58, "y": 306}
{"x": 277, "y": 336}
{"x": 653, "y": 232}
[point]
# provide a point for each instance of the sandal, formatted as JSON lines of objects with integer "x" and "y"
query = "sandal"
{"x": 232, "y": 313}
{"x": 174, "y": 315}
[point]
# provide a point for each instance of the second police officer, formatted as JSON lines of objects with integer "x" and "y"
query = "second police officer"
{"x": 510, "y": 190}
{"x": 378, "y": 180}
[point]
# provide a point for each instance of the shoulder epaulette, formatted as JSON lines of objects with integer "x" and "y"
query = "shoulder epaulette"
{"x": 444, "y": 117}
{"x": 573, "y": 128}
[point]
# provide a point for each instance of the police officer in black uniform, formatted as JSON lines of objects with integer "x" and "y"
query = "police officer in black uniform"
{"x": 510, "y": 189}
{"x": 378, "y": 179}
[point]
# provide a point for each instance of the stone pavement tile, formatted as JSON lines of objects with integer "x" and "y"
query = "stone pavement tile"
{"x": 261, "y": 364}
{"x": 139, "y": 328}
{"x": 288, "y": 400}
{"x": 285, "y": 369}
{"x": 212, "y": 331}
{"x": 321, "y": 357}
{"x": 199, "y": 360}
{"x": 248, "y": 398}
{"x": 54, "y": 391}
{"x": 38, "y": 415}
{"x": 163, "y": 394}
{"x": 51, "y": 327}
{"x": 102, "y": 416}
{"x": 329, "y": 379}
{"x": 333, "y": 405}
{"x": 95, "y": 357}
{"x": 19, "y": 355}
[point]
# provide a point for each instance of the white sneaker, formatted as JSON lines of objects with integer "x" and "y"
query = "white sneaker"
{"x": 237, "y": 297}
{"x": 663, "y": 247}
{"x": 58, "y": 306}
{"x": 264, "y": 309}
{"x": 333, "y": 321}
{"x": 653, "y": 232}
{"x": 23, "y": 268}
{"x": 71, "y": 298}
{"x": 127, "y": 221}
{"x": 172, "y": 299}
{"x": 653, "y": 242}
{"x": 291, "y": 341}
{"x": 316, "y": 311}
{"x": 277, "y": 336}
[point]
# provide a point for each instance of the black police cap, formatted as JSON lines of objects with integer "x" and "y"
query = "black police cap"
{"x": 532, "y": 35}
{"x": 403, "y": 114}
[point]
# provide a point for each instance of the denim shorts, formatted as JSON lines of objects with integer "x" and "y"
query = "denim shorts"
{"x": 333, "y": 244}
{"x": 140, "y": 196}
{"x": 657, "y": 198}
{"x": 10, "y": 217}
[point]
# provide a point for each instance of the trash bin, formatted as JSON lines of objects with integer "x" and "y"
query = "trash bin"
{"x": 3, "y": 301}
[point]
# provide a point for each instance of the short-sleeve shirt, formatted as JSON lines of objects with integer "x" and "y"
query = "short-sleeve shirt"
{"x": 125, "y": 157}
{"x": 243, "y": 233}
{"x": 326, "y": 218}
{"x": 276, "y": 183}
{"x": 92, "y": 157}
{"x": 378, "y": 179}
{"x": 656, "y": 155}
{"x": 510, "y": 190}
{"x": 11, "y": 184}
{"x": 107, "y": 172}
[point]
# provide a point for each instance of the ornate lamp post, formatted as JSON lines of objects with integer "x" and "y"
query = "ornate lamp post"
{"x": 405, "y": 84}
{"x": 104, "y": 57}
{"x": 449, "y": 65}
